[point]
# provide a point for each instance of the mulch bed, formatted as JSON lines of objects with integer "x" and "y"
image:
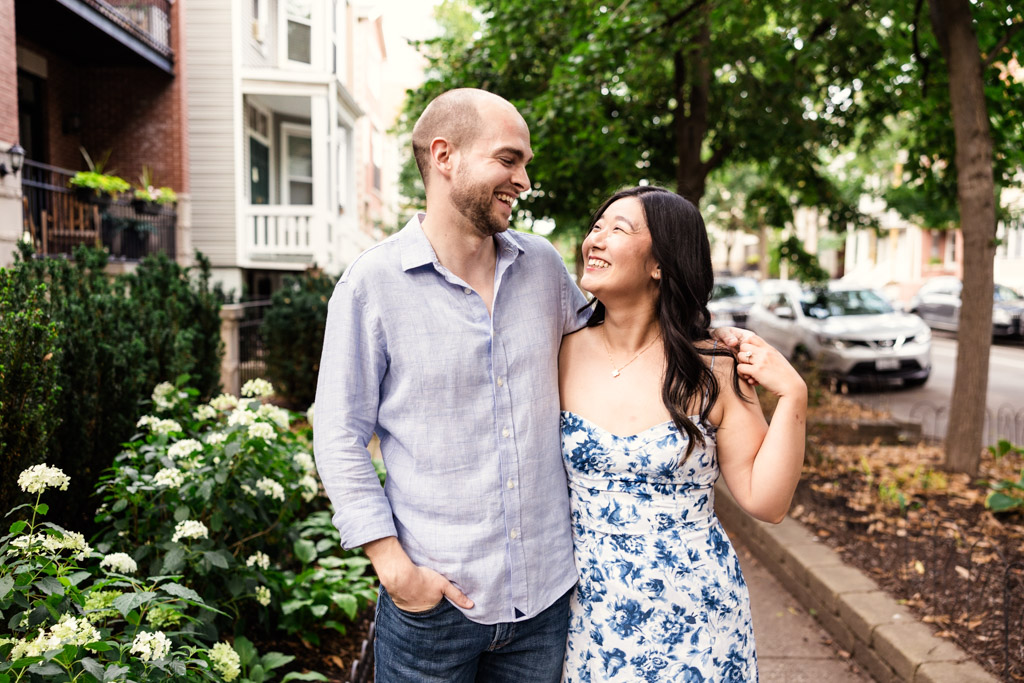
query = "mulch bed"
{"x": 333, "y": 657}
{"x": 925, "y": 536}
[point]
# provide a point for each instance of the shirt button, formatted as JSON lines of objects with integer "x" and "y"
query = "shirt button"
{"x": 468, "y": 290}
{"x": 501, "y": 382}
{"x": 514, "y": 534}
{"x": 511, "y": 484}
{"x": 505, "y": 432}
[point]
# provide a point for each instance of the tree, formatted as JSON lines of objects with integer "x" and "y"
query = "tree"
{"x": 664, "y": 92}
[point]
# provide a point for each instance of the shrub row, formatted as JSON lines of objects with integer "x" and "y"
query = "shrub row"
{"x": 81, "y": 349}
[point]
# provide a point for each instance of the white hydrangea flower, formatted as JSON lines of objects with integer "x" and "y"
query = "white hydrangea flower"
{"x": 171, "y": 477}
{"x": 38, "y": 478}
{"x": 70, "y": 540}
{"x": 166, "y": 396}
{"x": 309, "y": 414}
{"x": 242, "y": 417}
{"x": 310, "y": 487}
{"x": 150, "y": 645}
{"x": 157, "y": 425}
{"x": 305, "y": 461}
{"x": 204, "y": 412}
{"x": 224, "y": 402}
{"x": 225, "y": 661}
{"x": 260, "y": 559}
{"x": 119, "y": 562}
{"x": 68, "y": 631}
{"x": 248, "y": 490}
{"x": 262, "y": 430}
{"x": 276, "y": 414}
{"x": 271, "y": 488}
{"x": 190, "y": 528}
{"x": 263, "y": 595}
{"x": 257, "y": 387}
{"x": 183, "y": 448}
{"x": 215, "y": 438}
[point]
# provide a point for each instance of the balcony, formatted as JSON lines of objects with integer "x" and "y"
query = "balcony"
{"x": 101, "y": 32}
{"x": 58, "y": 221}
{"x": 283, "y": 234}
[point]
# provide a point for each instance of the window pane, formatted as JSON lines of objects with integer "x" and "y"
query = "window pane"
{"x": 300, "y": 192}
{"x": 300, "y": 156}
{"x": 300, "y": 9}
{"x": 298, "y": 42}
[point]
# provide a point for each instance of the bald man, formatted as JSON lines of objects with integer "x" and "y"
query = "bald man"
{"x": 443, "y": 341}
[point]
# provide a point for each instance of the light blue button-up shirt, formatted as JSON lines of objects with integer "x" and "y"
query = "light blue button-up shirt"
{"x": 466, "y": 408}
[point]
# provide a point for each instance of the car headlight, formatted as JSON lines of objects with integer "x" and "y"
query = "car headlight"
{"x": 1000, "y": 316}
{"x": 923, "y": 336}
{"x": 833, "y": 342}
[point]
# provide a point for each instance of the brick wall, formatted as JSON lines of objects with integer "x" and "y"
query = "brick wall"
{"x": 136, "y": 112}
{"x": 8, "y": 75}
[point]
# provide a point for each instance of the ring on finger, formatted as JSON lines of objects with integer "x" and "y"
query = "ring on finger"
{"x": 749, "y": 355}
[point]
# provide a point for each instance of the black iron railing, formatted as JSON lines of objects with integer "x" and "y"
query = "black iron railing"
{"x": 251, "y": 350}
{"x": 58, "y": 220}
{"x": 148, "y": 20}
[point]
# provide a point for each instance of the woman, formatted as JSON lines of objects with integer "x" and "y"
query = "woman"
{"x": 652, "y": 411}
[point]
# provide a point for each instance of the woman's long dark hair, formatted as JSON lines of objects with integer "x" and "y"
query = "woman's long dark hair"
{"x": 679, "y": 244}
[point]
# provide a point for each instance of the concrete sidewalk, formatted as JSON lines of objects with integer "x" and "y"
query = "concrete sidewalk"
{"x": 791, "y": 646}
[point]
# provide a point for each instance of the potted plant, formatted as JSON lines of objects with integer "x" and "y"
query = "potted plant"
{"x": 150, "y": 199}
{"x": 95, "y": 186}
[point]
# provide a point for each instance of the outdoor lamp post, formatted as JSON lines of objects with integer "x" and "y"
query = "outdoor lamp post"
{"x": 16, "y": 153}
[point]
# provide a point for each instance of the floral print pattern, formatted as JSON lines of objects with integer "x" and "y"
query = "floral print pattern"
{"x": 661, "y": 596}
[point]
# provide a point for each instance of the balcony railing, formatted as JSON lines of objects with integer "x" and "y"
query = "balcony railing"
{"x": 294, "y": 234}
{"x": 148, "y": 20}
{"x": 58, "y": 221}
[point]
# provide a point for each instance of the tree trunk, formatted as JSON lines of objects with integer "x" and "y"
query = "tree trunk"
{"x": 690, "y": 122}
{"x": 951, "y": 20}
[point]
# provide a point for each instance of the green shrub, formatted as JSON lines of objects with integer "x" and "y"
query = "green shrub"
{"x": 29, "y": 362}
{"x": 71, "y": 614}
{"x": 1006, "y": 495}
{"x": 219, "y": 493}
{"x": 293, "y": 333}
{"x": 116, "y": 337}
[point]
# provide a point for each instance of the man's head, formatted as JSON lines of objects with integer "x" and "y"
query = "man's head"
{"x": 472, "y": 147}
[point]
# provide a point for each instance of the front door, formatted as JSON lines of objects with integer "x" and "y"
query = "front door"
{"x": 259, "y": 172}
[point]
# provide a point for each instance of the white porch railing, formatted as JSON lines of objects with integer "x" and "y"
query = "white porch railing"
{"x": 291, "y": 234}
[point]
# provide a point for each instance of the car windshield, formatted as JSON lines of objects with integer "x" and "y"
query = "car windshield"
{"x": 723, "y": 290}
{"x": 822, "y": 304}
{"x": 1004, "y": 293}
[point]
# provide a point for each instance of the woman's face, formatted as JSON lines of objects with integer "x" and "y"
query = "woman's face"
{"x": 617, "y": 252}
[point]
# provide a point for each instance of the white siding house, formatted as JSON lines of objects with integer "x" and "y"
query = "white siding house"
{"x": 271, "y": 134}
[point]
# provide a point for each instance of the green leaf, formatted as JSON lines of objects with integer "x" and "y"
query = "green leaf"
{"x": 273, "y": 660}
{"x": 180, "y": 591}
{"x": 293, "y": 605}
{"x": 257, "y": 674}
{"x": 121, "y": 504}
{"x": 304, "y": 550}
{"x": 126, "y": 603}
{"x": 99, "y": 646}
{"x": 42, "y": 508}
{"x": 347, "y": 603}
{"x": 181, "y": 513}
{"x": 217, "y": 558}
{"x": 174, "y": 560}
{"x": 50, "y": 585}
{"x": 245, "y": 649}
{"x": 6, "y": 584}
{"x": 17, "y": 527}
{"x": 318, "y": 610}
{"x": 1000, "y": 502}
{"x": 305, "y": 676}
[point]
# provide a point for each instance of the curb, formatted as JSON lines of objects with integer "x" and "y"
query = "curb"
{"x": 883, "y": 636}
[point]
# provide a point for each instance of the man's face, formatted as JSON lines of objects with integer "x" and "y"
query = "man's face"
{"x": 491, "y": 172}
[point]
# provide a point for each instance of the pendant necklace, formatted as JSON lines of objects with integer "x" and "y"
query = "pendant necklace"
{"x": 617, "y": 371}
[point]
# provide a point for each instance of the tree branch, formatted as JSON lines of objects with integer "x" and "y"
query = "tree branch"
{"x": 678, "y": 16}
{"x": 1013, "y": 30}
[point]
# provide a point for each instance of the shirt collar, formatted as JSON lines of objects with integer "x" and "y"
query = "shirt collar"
{"x": 416, "y": 250}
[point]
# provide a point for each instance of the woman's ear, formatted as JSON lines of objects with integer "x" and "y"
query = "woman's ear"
{"x": 657, "y": 273}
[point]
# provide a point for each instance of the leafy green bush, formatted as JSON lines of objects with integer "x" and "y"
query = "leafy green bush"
{"x": 29, "y": 362}
{"x": 218, "y": 494}
{"x": 76, "y": 615}
{"x": 1006, "y": 495}
{"x": 116, "y": 338}
{"x": 293, "y": 332}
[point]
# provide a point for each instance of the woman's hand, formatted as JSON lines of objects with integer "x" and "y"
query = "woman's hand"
{"x": 759, "y": 362}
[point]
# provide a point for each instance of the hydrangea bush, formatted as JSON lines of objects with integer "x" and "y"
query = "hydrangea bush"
{"x": 222, "y": 494}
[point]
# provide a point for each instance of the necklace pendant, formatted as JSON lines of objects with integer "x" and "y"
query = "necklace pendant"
{"x": 615, "y": 373}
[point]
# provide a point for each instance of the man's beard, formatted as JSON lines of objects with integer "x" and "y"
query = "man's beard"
{"x": 476, "y": 205}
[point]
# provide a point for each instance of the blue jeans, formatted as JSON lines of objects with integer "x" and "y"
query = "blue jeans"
{"x": 441, "y": 645}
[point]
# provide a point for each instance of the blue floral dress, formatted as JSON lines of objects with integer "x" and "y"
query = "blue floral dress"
{"x": 661, "y": 596}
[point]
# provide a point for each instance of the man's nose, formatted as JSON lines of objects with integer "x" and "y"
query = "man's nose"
{"x": 521, "y": 180}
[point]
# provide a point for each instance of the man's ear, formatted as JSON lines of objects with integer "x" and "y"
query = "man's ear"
{"x": 441, "y": 153}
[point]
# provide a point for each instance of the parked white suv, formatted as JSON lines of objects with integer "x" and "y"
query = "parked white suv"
{"x": 857, "y": 338}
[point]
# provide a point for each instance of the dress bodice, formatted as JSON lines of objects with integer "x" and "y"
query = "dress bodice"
{"x": 638, "y": 484}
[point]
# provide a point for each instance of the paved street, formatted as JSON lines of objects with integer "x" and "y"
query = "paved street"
{"x": 929, "y": 405}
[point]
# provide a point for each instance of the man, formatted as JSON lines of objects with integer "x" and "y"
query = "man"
{"x": 443, "y": 340}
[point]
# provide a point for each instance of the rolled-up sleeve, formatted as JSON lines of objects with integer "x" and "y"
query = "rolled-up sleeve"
{"x": 352, "y": 367}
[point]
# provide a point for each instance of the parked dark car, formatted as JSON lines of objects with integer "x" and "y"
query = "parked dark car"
{"x": 938, "y": 303}
{"x": 731, "y": 299}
